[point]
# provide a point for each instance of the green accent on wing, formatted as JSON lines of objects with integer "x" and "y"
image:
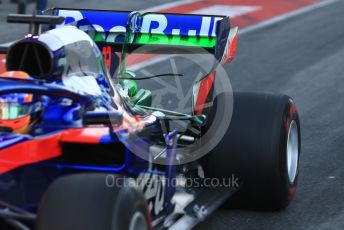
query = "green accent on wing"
{"x": 98, "y": 37}
{"x": 161, "y": 39}
{"x": 142, "y": 97}
{"x": 130, "y": 85}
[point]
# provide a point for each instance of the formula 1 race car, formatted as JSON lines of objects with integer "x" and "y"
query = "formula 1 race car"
{"x": 92, "y": 136}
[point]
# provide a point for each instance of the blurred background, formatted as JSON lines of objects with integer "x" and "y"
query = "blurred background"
{"x": 13, "y": 6}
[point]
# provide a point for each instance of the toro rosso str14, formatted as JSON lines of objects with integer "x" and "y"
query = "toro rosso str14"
{"x": 90, "y": 140}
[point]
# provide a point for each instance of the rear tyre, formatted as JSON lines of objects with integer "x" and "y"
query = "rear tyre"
{"x": 87, "y": 202}
{"x": 261, "y": 147}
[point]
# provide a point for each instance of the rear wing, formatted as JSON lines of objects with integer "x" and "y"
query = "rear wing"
{"x": 172, "y": 33}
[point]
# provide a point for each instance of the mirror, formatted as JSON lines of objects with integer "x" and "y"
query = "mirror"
{"x": 128, "y": 85}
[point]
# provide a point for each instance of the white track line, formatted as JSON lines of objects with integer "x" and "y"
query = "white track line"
{"x": 151, "y": 61}
{"x": 248, "y": 29}
{"x": 286, "y": 16}
{"x": 169, "y": 5}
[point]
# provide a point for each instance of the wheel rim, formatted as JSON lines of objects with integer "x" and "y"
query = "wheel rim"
{"x": 138, "y": 222}
{"x": 292, "y": 151}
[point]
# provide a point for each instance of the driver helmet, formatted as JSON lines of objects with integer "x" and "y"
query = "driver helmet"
{"x": 16, "y": 109}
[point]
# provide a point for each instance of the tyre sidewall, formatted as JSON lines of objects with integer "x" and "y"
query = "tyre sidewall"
{"x": 288, "y": 188}
{"x": 129, "y": 202}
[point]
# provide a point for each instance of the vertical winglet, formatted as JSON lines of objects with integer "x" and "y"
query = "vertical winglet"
{"x": 231, "y": 46}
